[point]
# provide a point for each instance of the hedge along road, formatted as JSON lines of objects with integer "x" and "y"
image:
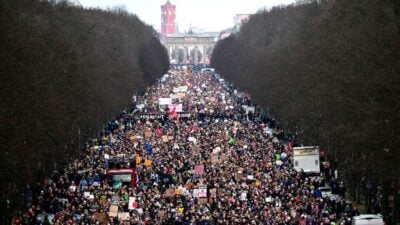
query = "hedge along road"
{"x": 196, "y": 151}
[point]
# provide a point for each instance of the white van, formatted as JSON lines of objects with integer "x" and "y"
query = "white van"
{"x": 368, "y": 219}
{"x": 306, "y": 159}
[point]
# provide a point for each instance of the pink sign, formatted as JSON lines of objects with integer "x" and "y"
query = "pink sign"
{"x": 175, "y": 107}
{"x": 199, "y": 169}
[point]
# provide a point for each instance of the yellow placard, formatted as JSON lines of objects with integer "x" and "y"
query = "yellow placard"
{"x": 148, "y": 134}
{"x": 178, "y": 191}
{"x": 147, "y": 162}
{"x": 138, "y": 159}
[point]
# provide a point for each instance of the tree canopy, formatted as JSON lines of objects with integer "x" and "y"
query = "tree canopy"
{"x": 65, "y": 71}
{"x": 329, "y": 71}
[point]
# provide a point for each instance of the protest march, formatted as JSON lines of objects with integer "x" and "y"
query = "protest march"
{"x": 195, "y": 150}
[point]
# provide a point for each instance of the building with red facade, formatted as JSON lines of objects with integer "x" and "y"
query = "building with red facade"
{"x": 168, "y": 25}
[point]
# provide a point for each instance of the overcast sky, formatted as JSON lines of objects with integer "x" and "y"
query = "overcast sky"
{"x": 209, "y": 15}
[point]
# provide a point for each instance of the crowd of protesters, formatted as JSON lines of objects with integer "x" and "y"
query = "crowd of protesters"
{"x": 211, "y": 158}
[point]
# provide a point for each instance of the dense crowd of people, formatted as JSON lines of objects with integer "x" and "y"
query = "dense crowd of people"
{"x": 206, "y": 156}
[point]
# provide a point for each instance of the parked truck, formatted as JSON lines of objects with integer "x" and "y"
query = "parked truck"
{"x": 306, "y": 159}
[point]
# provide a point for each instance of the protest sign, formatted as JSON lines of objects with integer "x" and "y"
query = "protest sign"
{"x": 213, "y": 193}
{"x": 239, "y": 175}
{"x": 140, "y": 106}
{"x": 180, "y": 89}
{"x": 202, "y": 192}
{"x": 175, "y": 107}
{"x": 101, "y": 217}
{"x": 243, "y": 196}
{"x": 178, "y": 191}
{"x": 113, "y": 211}
{"x": 115, "y": 199}
{"x": 164, "y": 101}
{"x": 132, "y": 203}
{"x": 169, "y": 192}
{"x": 139, "y": 211}
{"x": 148, "y": 134}
{"x": 147, "y": 162}
{"x": 86, "y": 194}
{"x": 138, "y": 160}
{"x": 123, "y": 216}
{"x": 199, "y": 169}
{"x": 202, "y": 200}
{"x": 195, "y": 193}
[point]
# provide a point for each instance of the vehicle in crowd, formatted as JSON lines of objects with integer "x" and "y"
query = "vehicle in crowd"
{"x": 207, "y": 69}
{"x": 120, "y": 172}
{"x": 42, "y": 217}
{"x": 325, "y": 191}
{"x": 306, "y": 159}
{"x": 368, "y": 219}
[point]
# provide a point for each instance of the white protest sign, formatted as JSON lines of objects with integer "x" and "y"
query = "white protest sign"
{"x": 139, "y": 211}
{"x": 195, "y": 193}
{"x": 250, "y": 177}
{"x": 248, "y": 108}
{"x": 243, "y": 196}
{"x": 164, "y": 101}
{"x": 86, "y": 194}
{"x": 140, "y": 106}
{"x": 181, "y": 89}
{"x": 132, "y": 203}
{"x": 113, "y": 211}
{"x": 268, "y": 199}
{"x": 123, "y": 216}
{"x": 72, "y": 188}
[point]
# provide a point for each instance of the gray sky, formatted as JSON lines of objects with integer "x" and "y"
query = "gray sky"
{"x": 210, "y": 15}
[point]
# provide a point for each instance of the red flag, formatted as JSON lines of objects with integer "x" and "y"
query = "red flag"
{"x": 158, "y": 131}
{"x": 173, "y": 114}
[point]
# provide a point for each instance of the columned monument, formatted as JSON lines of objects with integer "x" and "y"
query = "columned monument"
{"x": 189, "y": 47}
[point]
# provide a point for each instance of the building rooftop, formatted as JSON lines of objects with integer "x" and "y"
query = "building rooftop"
{"x": 168, "y": 3}
{"x": 202, "y": 34}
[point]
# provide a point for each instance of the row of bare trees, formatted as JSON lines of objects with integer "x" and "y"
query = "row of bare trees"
{"x": 65, "y": 71}
{"x": 329, "y": 70}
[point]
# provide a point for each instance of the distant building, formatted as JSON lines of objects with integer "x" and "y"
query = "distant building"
{"x": 189, "y": 47}
{"x": 168, "y": 25}
{"x": 240, "y": 19}
{"x": 225, "y": 33}
{"x": 193, "y": 48}
{"x": 75, "y": 3}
